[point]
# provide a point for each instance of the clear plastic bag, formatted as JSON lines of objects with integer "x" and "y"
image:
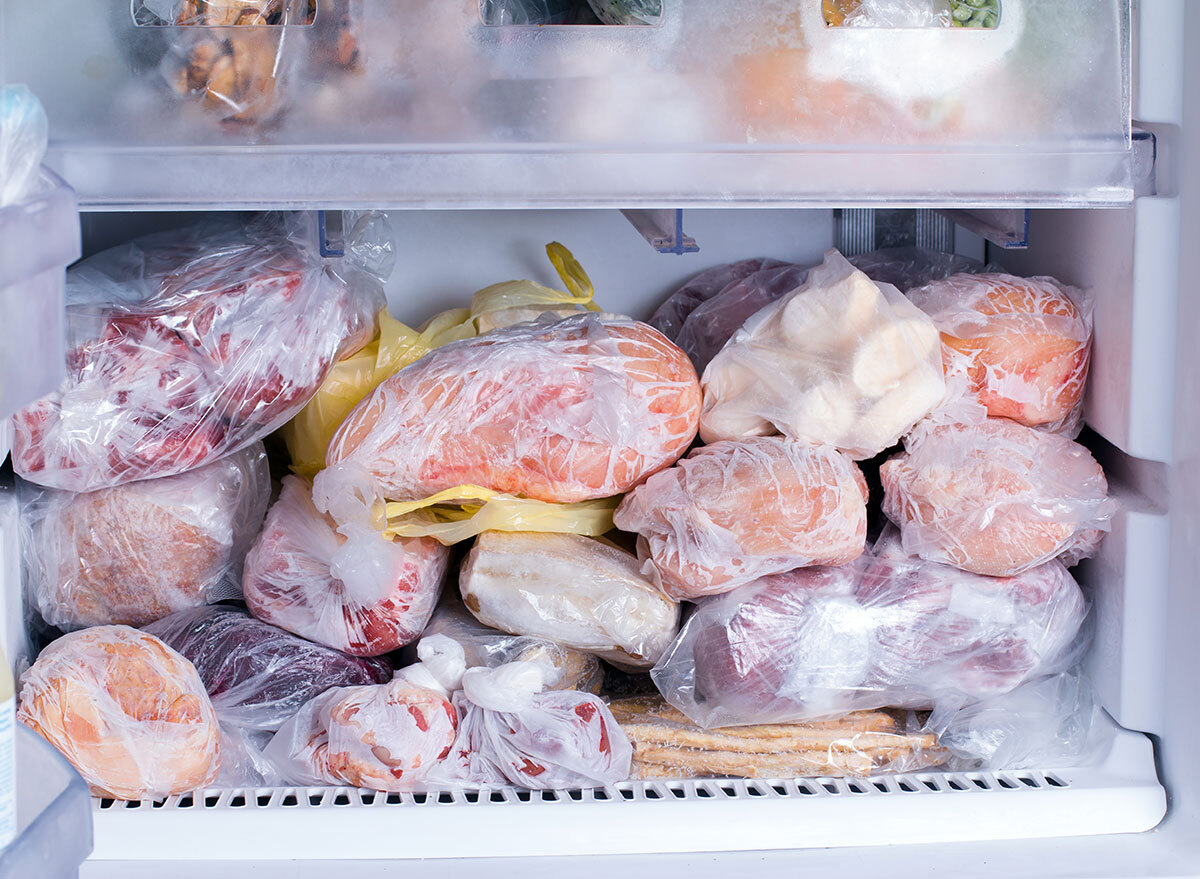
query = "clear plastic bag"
{"x": 1021, "y": 345}
{"x": 566, "y": 411}
{"x": 129, "y": 713}
{"x": 350, "y": 588}
{"x": 509, "y": 12}
{"x": 996, "y": 498}
{"x": 887, "y": 631}
{"x": 187, "y": 346}
{"x": 908, "y": 267}
{"x": 257, "y": 675}
{"x": 514, "y": 731}
{"x": 840, "y": 361}
{"x": 735, "y": 511}
{"x": 137, "y": 552}
{"x": 489, "y": 648}
{"x": 23, "y": 133}
{"x": 628, "y": 12}
{"x": 584, "y": 593}
{"x": 670, "y": 317}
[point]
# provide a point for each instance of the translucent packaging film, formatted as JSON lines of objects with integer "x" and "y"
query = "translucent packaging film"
{"x": 137, "y": 552}
{"x": 908, "y": 267}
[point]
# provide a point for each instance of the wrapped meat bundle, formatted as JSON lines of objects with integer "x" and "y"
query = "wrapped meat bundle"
{"x": 383, "y": 737}
{"x": 128, "y": 712}
{"x": 489, "y": 648}
{"x": 573, "y": 410}
{"x": 840, "y": 361}
{"x": 256, "y": 674}
{"x": 670, "y": 317}
{"x": 512, "y": 730}
{"x": 187, "y": 346}
{"x": 735, "y": 511}
{"x": 887, "y": 631}
{"x": 581, "y": 592}
{"x": 996, "y": 498}
{"x": 365, "y": 596}
{"x": 908, "y": 267}
{"x": 135, "y": 553}
{"x": 1022, "y": 344}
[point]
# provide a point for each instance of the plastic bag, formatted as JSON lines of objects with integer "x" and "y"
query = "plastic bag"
{"x": 628, "y": 12}
{"x": 138, "y": 552}
{"x": 350, "y": 589}
{"x": 129, "y": 713}
{"x": 996, "y": 498}
{"x": 256, "y": 674}
{"x": 898, "y": 14}
{"x": 383, "y": 737}
{"x": 574, "y": 410}
{"x": 1022, "y": 345}
{"x": 509, "y": 12}
{"x": 512, "y": 730}
{"x": 735, "y": 511}
{"x": 840, "y": 361}
{"x": 189, "y": 345}
{"x": 489, "y": 648}
{"x": 908, "y": 267}
{"x": 670, "y": 317}
{"x": 889, "y": 630}
{"x": 668, "y": 745}
{"x": 581, "y": 592}
{"x": 23, "y": 133}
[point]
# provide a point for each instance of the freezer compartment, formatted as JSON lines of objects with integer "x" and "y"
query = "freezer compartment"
{"x": 722, "y": 102}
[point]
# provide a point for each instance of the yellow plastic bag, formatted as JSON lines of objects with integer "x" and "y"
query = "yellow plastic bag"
{"x": 464, "y": 511}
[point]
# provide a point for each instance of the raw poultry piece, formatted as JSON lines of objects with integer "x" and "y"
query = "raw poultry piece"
{"x": 365, "y": 597}
{"x": 840, "y": 361}
{"x": 666, "y": 744}
{"x": 1022, "y": 344}
{"x": 563, "y": 411}
{"x": 996, "y": 498}
{"x": 578, "y": 591}
{"x": 731, "y": 512}
{"x": 137, "y": 552}
{"x": 129, "y": 713}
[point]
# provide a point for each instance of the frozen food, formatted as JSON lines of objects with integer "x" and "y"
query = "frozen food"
{"x": 628, "y": 12}
{"x": 23, "y": 134}
{"x": 670, "y": 317}
{"x": 734, "y": 511}
{"x": 889, "y": 630}
{"x": 137, "y": 552}
{"x": 578, "y": 591}
{"x": 1021, "y": 344}
{"x": 256, "y": 674}
{"x": 129, "y": 713}
{"x": 577, "y": 409}
{"x": 908, "y": 267}
{"x": 666, "y": 744}
{"x": 365, "y": 596}
{"x": 186, "y": 346}
{"x": 996, "y": 498}
{"x": 840, "y": 361}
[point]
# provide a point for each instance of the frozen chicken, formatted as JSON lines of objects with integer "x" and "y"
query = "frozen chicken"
{"x": 573, "y": 410}
{"x": 256, "y": 674}
{"x": 735, "y": 511}
{"x": 840, "y": 361}
{"x": 186, "y": 346}
{"x": 366, "y": 596}
{"x": 578, "y": 591}
{"x": 1021, "y": 344}
{"x": 137, "y": 552}
{"x": 996, "y": 498}
{"x": 129, "y": 713}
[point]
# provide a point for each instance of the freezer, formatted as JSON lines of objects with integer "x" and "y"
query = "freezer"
{"x": 1059, "y": 141}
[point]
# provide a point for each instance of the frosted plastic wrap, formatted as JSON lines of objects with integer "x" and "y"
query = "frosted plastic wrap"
{"x": 890, "y": 630}
{"x": 23, "y": 134}
{"x": 573, "y": 410}
{"x": 490, "y": 648}
{"x": 840, "y": 361}
{"x": 509, "y": 12}
{"x": 1022, "y": 344}
{"x": 129, "y": 713}
{"x": 513, "y": 731}
{"x": 996, "y": 498}
{"x": 628, "y": 12}
{"x": 670, "y": 317}
{"x": 908, "y": 267}
{"x": 666, "y": 744}
{"x": 365, "y": 596}
{"x": 137, "y": 552}
{"x": 735, "y": 511}
{"x": 256, "y": 674}
{"x": 186, "y": 346}
{"x": 581, "y": 592}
